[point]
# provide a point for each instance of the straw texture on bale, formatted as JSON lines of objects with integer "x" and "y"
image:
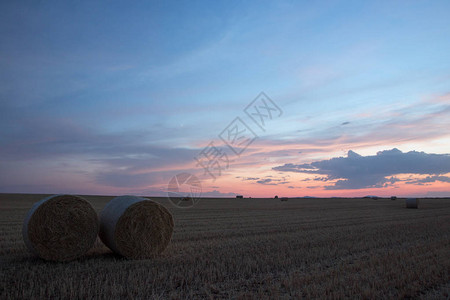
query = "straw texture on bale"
{"x": 412, "y": 203}
{"x": 60, "y": 227}
{"x": 136, "y": 227}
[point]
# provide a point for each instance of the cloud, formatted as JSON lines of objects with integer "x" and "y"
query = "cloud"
{"x": 267, "y": 181}
{"x": 320, "y": 179}
{"x": 127, "y": 159}
{"x": 430, "y": 179}
{"x": 123, "y": 179}
{"x": 356, "y": 171}
{"x": 417, "y": 123}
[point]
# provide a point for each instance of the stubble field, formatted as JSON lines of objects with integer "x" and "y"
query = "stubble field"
{"x": 251, "y": 249}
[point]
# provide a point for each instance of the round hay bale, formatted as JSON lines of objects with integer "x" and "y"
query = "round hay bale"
{"x": 135, "y": 227}
{"x": 412, "y": 203}
{"x": 60, "y": 227}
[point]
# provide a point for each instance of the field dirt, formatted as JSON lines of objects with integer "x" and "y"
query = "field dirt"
{"x": 251, "y": 249}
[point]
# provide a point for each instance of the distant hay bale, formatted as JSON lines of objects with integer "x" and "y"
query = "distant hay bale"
{"x": 393, "y": 198}
{"x": 135, "y": 227}
{"x": 412, "y": 203}
{"x": 60, "y": 227}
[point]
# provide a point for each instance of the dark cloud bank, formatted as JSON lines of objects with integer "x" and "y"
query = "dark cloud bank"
{"x": 356, "y": 171}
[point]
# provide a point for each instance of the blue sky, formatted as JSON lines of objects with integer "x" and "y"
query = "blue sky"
{"x": 117, "y": 97}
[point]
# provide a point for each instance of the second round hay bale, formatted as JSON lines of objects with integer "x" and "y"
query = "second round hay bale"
{"x": 60, "y": 227}
{"x": 412, "y": 203}
{"x": 136, "y": 227}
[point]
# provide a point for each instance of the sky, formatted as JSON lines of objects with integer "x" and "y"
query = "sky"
{"x": 259, "y": 98}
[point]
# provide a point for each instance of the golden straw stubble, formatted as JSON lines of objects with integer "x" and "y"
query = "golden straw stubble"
{"x": 61, "y": 228}
{"x": 136, "y": 227}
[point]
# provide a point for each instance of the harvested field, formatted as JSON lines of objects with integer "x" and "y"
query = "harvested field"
{"x": 251, "y": 249}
